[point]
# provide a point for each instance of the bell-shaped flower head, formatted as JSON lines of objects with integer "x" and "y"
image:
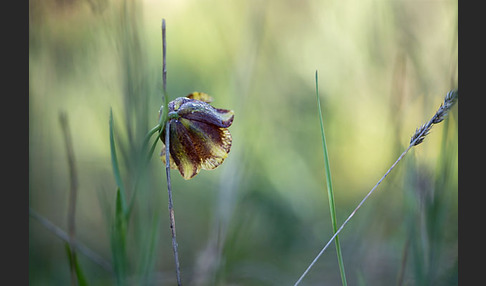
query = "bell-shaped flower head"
{"x": 198, "y": 134}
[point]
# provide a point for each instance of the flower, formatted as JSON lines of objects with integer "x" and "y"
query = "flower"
{"x": 198, "y": 134}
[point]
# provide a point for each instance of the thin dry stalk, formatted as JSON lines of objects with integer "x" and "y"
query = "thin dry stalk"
{"x": 73, "y": 190}
{"x": 164, "y": 67}
{"x": 76, "y": 244}
{"x": 171, "y": 208}
{"x": 167, "y": 154}
{"x": 417, "y": 138}
{"x": 401, "y": 273}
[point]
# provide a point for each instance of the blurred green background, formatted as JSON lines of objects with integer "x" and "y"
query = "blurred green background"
{"x": 263, "y": 215}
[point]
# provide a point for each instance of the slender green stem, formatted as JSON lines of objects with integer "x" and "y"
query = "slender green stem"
{"x": 330, "y": 192}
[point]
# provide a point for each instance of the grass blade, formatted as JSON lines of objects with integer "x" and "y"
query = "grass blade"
{"x": 76, "y": 279}
{"x": 330, "y": 192}
{"x": 73, "y": 260}
{"x": 147, "y": 256}
{"x": 118, "y": 241}
{"x": 116, "y": 169}
{"x": 144, "y": 165}
{"x": 81, "y": 248}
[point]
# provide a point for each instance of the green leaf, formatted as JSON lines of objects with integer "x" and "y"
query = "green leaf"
{"x": 152, "y": 148}
{"x": 73, "y": 261}
{"x": 149, "y": 250}
{"x": 148, "y": 136}
{"x": 144, "y": 164}
{"x": 116, "y": 169}
{"x": 118, "y": 241}
{"x": 330, "y": 192}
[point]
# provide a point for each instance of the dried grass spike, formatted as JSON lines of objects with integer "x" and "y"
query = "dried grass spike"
{"x": 444, "y": 108}
{"x": 420, "y": 134}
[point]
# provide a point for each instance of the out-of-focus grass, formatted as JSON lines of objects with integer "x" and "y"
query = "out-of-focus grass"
{"x": 383, "y": 69}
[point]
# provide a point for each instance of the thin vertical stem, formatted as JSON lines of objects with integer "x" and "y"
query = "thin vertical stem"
{"x": 73, "y": 190}
{"x": 401, "y": 273}
{"x": 165, "y": 98}
{"x": 164, "y": 64}
{"x": 72, "y": 175}
{"x": 167, "y": 154}
{"x": 171, "y": 209}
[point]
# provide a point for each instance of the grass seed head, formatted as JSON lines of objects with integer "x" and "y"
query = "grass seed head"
{"x": 420, "y": 133}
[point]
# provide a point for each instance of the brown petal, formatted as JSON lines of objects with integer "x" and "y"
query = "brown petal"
{"x": 211, "y": 143}
{"x": 171, "y": 160}
{"x": 199, "y": 137}
{"x": 182, "y": 150}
